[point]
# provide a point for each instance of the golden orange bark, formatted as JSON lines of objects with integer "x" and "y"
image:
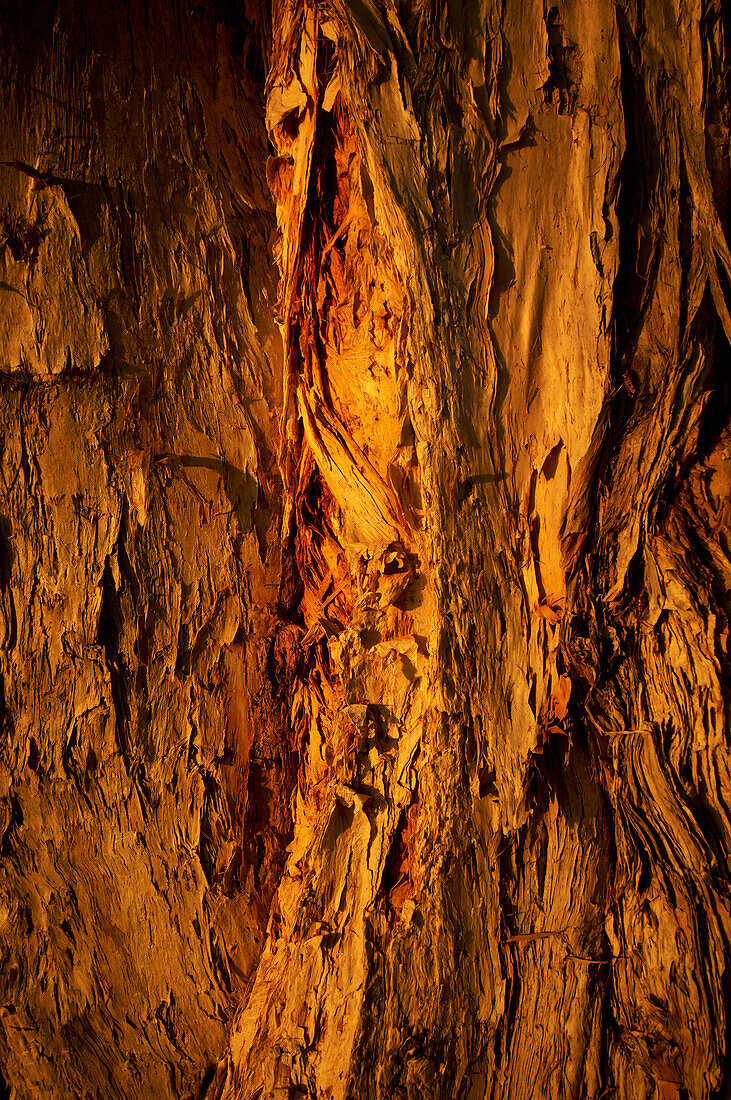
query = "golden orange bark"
{"x": 364, "y": 550}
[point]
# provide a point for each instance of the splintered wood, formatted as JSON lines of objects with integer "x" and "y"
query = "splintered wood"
{"x": 352, "y": 526}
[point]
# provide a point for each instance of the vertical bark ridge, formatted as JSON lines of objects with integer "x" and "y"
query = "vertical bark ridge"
{"x": 351, "y": 523}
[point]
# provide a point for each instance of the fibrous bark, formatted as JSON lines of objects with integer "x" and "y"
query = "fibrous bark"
{"x": 366, "y": 570}
{"x": 141, "y": 379}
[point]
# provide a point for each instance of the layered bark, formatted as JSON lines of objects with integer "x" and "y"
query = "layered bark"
{"x": 366, "y": 665}
{"x": 141, "y": 379}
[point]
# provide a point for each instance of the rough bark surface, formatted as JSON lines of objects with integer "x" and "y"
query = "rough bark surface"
{"x": 144, "y": 803}
{"x": 365, "y": 567}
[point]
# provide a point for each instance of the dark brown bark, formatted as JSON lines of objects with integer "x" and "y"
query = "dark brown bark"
{"x": 365, "y": 550}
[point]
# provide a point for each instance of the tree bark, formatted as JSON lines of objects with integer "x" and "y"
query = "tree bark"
{"x": 365, "y": 557}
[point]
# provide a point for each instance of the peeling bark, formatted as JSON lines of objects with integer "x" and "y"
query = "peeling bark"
{"x": 365, "y": 550}
{"x": 144, "y": 786}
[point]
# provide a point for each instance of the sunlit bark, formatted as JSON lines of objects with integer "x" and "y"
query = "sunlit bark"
{"x": 365, "y": 550}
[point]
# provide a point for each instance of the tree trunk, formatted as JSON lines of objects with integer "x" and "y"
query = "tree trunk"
{"x": 364, "y": 564}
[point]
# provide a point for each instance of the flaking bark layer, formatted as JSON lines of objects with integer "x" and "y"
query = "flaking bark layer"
{"x": 365, "y": 568}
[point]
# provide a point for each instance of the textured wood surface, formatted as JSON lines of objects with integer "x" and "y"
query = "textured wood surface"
{"x": 365, "y": 569}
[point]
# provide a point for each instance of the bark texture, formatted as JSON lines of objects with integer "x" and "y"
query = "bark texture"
{"x": 365, "y": 550}
{"x": 141, "y": 383}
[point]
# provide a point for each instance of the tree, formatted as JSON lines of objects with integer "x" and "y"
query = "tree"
{"x": 365, "y": 550}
